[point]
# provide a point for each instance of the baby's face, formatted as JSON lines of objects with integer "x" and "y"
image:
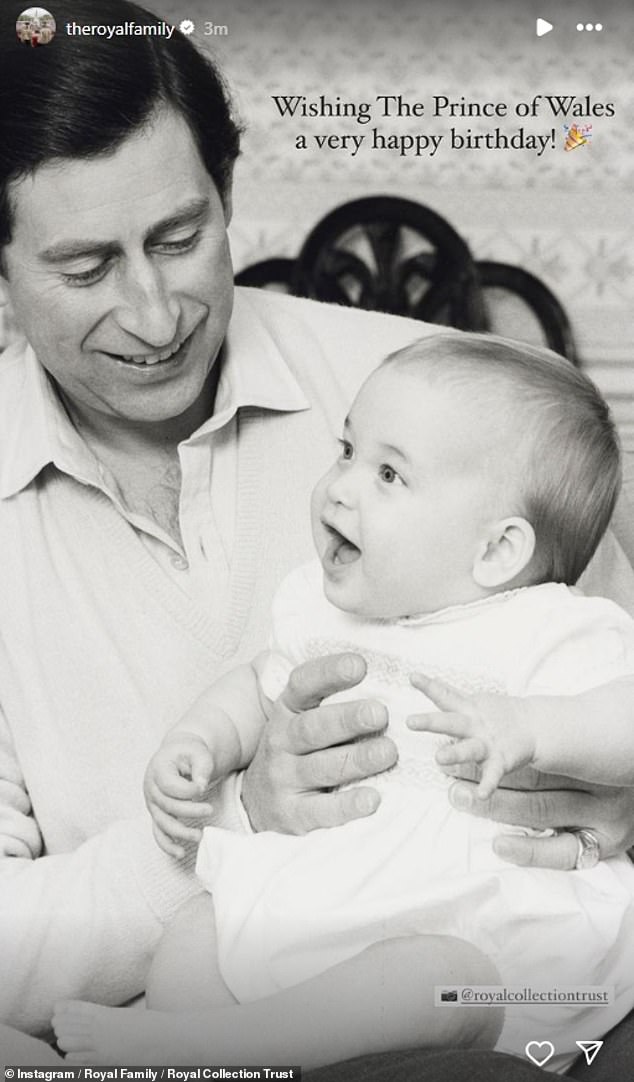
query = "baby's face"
{"x": 399, "y": 518}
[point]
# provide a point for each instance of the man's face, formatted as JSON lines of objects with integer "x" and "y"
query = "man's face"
{"x": 120, "y": 275}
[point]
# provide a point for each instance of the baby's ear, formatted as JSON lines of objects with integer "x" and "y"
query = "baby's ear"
{"x": 504, "y": 553}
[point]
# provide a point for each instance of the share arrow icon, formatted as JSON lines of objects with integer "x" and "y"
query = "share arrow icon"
{"x": 589, "y": 1049}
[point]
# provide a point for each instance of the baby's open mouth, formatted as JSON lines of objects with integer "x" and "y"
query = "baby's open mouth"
{"x": 340, "y": 550}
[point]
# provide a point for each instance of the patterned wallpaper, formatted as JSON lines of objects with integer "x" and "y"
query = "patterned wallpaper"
{"x": 567, "y": 217}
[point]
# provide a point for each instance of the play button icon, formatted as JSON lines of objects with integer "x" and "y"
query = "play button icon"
{"x": 543, "y": 27}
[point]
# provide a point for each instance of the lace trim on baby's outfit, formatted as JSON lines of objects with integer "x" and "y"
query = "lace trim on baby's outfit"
{"x": 424, "y": 773}
{"x": 459, "y": 612}
{"x": 396, "y": 671}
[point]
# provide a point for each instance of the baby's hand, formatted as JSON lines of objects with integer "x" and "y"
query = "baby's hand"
{"x": 492, "y": 730}
{"x": 176, "y": 779}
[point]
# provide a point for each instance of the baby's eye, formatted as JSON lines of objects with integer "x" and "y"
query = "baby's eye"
{"x": 389, "y": 474}
{"x": 347, "y": 450}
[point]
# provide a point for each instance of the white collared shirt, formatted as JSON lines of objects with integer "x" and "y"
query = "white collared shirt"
{"x": 208, "y": 458}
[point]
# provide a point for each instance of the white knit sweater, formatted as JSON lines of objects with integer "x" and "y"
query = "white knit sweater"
{"x": 100, "y": 651}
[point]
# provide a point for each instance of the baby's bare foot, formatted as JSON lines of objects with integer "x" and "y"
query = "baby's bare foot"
{"x": 114, "y": 1035}
{"x": 95, "y": 1034}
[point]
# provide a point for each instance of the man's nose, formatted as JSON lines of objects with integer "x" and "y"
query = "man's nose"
{"x": 145, "y": 307}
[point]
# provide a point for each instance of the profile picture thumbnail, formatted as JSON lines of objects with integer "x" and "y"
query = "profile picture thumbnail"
{"x": 35, "y": 26}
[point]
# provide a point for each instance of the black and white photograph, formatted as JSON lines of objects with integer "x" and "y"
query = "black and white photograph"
{"x": 317, "y": 526}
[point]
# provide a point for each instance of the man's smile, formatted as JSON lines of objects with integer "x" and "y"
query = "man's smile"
{"x": 174, "y": 352}
{"x": 155, "y": 358}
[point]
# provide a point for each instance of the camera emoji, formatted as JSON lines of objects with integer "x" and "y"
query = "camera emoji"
{"x": 450, "y": 996}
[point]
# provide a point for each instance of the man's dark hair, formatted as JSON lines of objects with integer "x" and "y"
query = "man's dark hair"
{"x": 81, "y": 96}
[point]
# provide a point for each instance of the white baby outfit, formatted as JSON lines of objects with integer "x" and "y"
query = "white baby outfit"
{"x": 288, "y": 908}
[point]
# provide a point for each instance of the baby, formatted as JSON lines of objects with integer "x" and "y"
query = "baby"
{"x": 474, "y": 480}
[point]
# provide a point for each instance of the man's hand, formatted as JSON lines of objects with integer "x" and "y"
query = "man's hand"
{"x": 308, "y": 749}
{"x": 608, "y": 813}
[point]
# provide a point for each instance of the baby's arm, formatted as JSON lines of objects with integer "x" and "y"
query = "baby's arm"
{"x": 588, "y": 736}
{"x": 569, "y": 709}
{"x": 217, "y": 735}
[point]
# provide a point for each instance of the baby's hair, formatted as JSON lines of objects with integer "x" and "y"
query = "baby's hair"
{"x": 570, "y": 469}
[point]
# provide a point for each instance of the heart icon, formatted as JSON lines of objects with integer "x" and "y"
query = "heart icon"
{"x": 539, "y": 1052}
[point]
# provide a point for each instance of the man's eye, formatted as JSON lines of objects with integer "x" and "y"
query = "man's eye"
{"x": 184, "y": 245}
{"x": 347, "y": 450}
{"x": 95, "y": 274}
{"x": 389, "y": 474}
{"x": 86, "y": 278}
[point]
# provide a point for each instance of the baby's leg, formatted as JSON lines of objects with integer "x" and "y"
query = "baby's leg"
{"x": 380, "y": 1000}
{"x": 184, "y": 980}
{"x": 184, "y": 975}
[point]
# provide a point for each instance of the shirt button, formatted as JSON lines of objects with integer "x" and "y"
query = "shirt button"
{"x": 180, "y": 563}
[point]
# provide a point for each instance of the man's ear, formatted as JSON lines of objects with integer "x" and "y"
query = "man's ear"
{"x": 505, "y": 553}
{"x": 4, "y": 285}
{"x": 227, "y": 199}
